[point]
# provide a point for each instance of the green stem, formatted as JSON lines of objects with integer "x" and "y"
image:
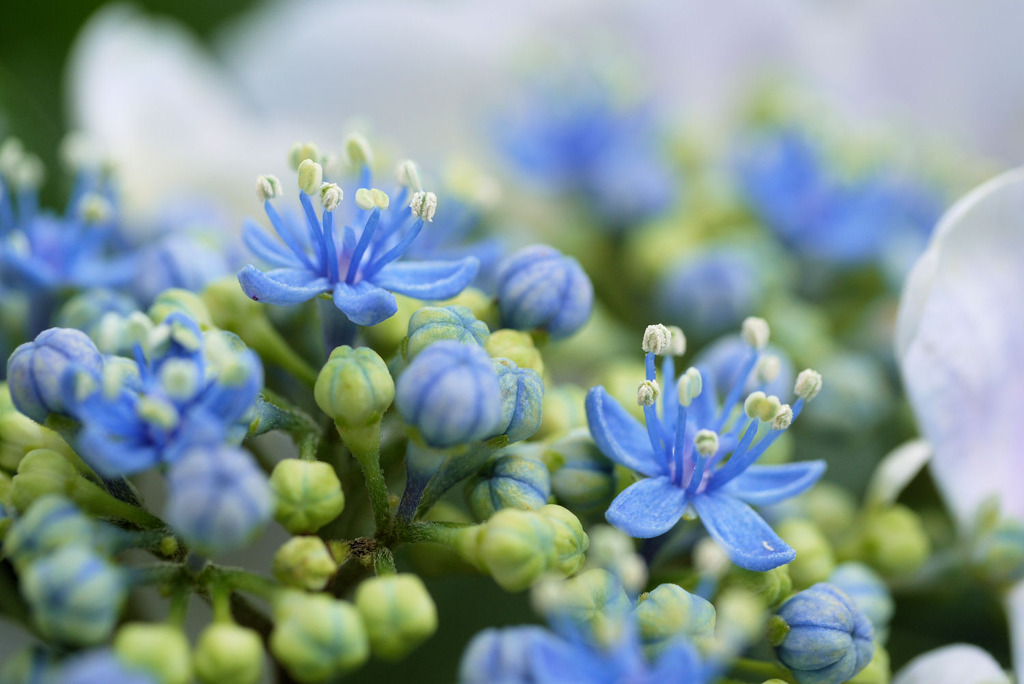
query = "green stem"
{"x": 99, "y": 502}
{"x": 264, "y": 338}
{"x": 383, "y": 562}
{"x": 364, "y": 443}
{"x": 761, "y": 670}
{"x": 180, "y": 595}
{"x": 243, "y": 580}
{"x": 220, "y": 598}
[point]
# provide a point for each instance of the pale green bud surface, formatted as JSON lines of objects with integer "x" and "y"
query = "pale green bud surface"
{"x": 160, "y": 649}
{"x": 227, "y": 653}
{"x": 307, "y": 495}
{"x": 398, "y": 612}
{"x": 304, "y": 563}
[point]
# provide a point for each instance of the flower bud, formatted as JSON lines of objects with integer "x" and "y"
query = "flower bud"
{"x": 267, "y": 188}
{"x": 815, "y": 559}
{"x": 304, "y": 563}
{"x": 593, "y": 601}
{"x": 85, "y": 310}
{"x": 398, "y": 612}
{"x": 424, "y": 205}
{"x": 539, "y": 288}
{"x": 513, "y": 547}
{"x": 522, "y": 398}
{"x": 570, "y": 542}
{"x": 354, "y": 387}
{"x": 179, "y": 300}
{"x": 316, "y": 637}
{"x": 582, "y": 478}
{"x": 892, "y": 541}
{"x": 450, "y": 393}
{"x": 518, "y": 347}
{"x": 829, "y": 639}
{"x": 35, "y": 371}
{"x": 878, "y": 671}
{"x": 311, "y": 176}
{"x": 998, "y": 556}
{"x": 772, "y": 586}
{"x": 227, "y": 653}
{"x": 19, "y": 434}
{"x": 307, "y": 495}
{"x": 867, "y": 590}
{"x": 50, "y": 523}
{"x": 563, "y": 410}
{"x": 74, "y": 594}
{"x": 217, "y": 498}
{"x": 808, "y": 384}
{"x": 613, "y": 550}
{"x": 669, "y": 612}
{"x": 42, "y": 472}
{"x": 158, "y": 649}
{"x": 509, "y": 481}
{"x": 435, "y": 323}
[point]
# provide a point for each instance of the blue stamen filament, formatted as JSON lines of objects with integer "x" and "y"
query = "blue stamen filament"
{"x": 332, "y": 252}
{"x": 395, "y": 252}
{"x": 735, "y": 391}
{"x": 676, "y": 467}
{"x": 651, "y": 422}
{"x": 364, "y": 242}
{"x": 316, "y": 235}
{"x": 286, "y": 234}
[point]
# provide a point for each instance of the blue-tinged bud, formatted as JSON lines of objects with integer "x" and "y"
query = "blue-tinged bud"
{"x": 398, "y": 612}
{"x": 998, "y": 556}
{"x": 36, "y": 370}
{"x": 217, "y": 498}
{"x": 434, "y": 323}
{"x": 317, "y": 637}
{"x": 509, "y": 481}
{"x": 867, "y": 590}
{"x": 503, "y": 655}
{"x": 157, "y": 648}
{"x": 74, "y": 594}
{"x": 177, "y": 300}
{"x": 85, "y": 311}
{"x": 539, "y": 288}
{"x": 582, "y": 478}
{"x": 307, "y": 495}
{"x": 669, "y": 612}
{"x": 829, "y": 639}
{"x": 227, "y": 653}
{"x": 450, "y": 393}
{"x": 878, "y": 671}
{"x": 354, "y": 387}
{"x": 712, "y": 290}
{"x": 815, "y": 558}
{"x": 517, "y": 346}
{"x": 304, "y": 563}
{"x": 101, "y": 666}
{"x": 593, "y": 601}
{"x": 522, "y": 397}
{"x": 50, "y": 523}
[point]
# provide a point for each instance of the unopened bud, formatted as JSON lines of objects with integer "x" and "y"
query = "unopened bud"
{"x": 690, "y": 386}
{"x": 159, "y": 649}
{"x": 755, "y": 332}
{"x": 359, "y": 151}
{"x": 647, "y": 393}
{"x": 408, "y": 174}
{"x": 311, "y": 176}
{"x": 657, "y": 339}
{"x": 678, "y": 345}
{"x": 304, "y": 563}
{"x": 301, "y": 152}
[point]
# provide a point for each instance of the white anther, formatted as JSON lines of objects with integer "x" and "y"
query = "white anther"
{"x": 180, "y": 378}
{"x": 267, "y": 188}
{"x": 79, "y": 151}
{"x": 690, "y": 386}
{"x": 370, "y": 198}
{"x": 331, "y": 196}
{"x": 647, "y": 393}
{"x": 301, "y": 152}
{"x": 657, "y": 339}
{"x": 767, "y": 368}
{"x": 359, "y": 151}
{"x": 706, "y": 442}
{"x": 678, "y": 344}
{"x": 783, "y": 417}
{"x": 95, "y": 209}
{"x": 423, "y": 205}
{"x": 752, "y": 405}
{"x": 311, "y": 176}
{"x": 408, "y": 174}
{"x": 755, "y": 332}
{"x": 808, "y": 384}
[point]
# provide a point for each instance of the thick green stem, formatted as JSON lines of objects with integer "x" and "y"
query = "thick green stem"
{"x": 364, "y": 443}
{"x": 761, "y": 670}
{"x": 260, "y": 335}
{"x": 242, "y": 580}
{"x": 97, "y": 501}
{"x": 383, "y": 562}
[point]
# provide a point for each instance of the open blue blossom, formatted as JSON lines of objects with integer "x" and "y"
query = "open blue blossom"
{"x": 357, "y": 260}
{"x": 824, "y": 216}
{"x": 189, "y": 389}
{"x": 701, "y": 453}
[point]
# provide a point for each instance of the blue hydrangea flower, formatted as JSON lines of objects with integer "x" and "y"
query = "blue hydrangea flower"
{"x": 101, "y": 666}
{"x": 701, "y": 453}
{"x": 189, "y": 389}
{"x": 179, "y": 259}
{"x": 218, "y": 497}
{"x": 358, "y": 261}
{"x": 540, "y": 288}
{"x": 726, "y": 358}
{"x": 823, "y": 216}
{"x": 711, "y": 290}
{"x": 455, "y": 234}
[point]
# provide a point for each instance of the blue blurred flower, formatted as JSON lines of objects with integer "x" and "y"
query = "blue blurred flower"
{"x": 101, "y": 666}
{"x": 36, "y": 371}
{"x": 358, "y": 261}
{"x": 867, "y": 590}
{"x": 217, "y": 497}
{"x": 683, "y": 454}
{"x": 722, "y": 362}
{"x": 711, "y": 290}
{"x": 540, "y": 288}
{"x": 182, "y": 260}
{"x": 49, "y": 523}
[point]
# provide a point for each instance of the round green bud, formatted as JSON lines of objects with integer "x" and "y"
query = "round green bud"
{"x": 509, "y": 481}
{"x": 772, "y": 586}
{"x": 227, "y": 653}
{"x": 514, "y": 547}
{"x": 832, "y": 508}
{"x": 184, "y": 301}
{"x": 316, "y": 637}
{"x": 593, "y": 600}
{"x": 160, "y": 649}
{"x": 228, "y": 307}
{"x": 481, "y": 304}
{"x": 582, "y": 478}
{"x": 517, "y": 346}
{"x": 815, "y": 559}
{"x": 893, "y": 541}
{"x": 387, "y": 336}
{"x": 354, "y": 387}
{"x": 562, "y": 411}
{"x": 670, "y": 611}
{"x": 398, "y": 612}
{"x": 435, "y": 323}
{"x": 304, "y": 563}
{"x": 307, "y": 495}
{"x": 41, "y": 472}
{"x": 19, "y": 434}
{"x": 570, "y": 542}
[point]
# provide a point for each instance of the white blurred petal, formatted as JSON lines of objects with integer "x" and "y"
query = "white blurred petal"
{"x": 955, "y": 664}
{"x": 1015, "y": 616}
{"x": 897, "y": 469}
{"x": 959, "y": 338}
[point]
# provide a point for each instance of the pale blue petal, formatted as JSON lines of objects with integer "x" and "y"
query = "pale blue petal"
{"x": 769, "y": 484}
{"x": 364, "y": 303}
{"x": 960, "y": 332}
{"x": 744, "y": 535}
{"x": 620, "y": 436}
{"x": 266, "y": 247}
{"x": 283, "y": 286}
{"x": 428, "y": 279}
{"x": 680, "y": 663}
{"x": 648, "y": 508}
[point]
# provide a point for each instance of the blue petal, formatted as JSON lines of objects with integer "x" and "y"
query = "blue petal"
{"x": 364, "y": 303}
{"x": 648, "y": 508}
{"x": 266, "y": 247}
{"x": 620, "y": 436}
{"x": 680, "y": 663}
{"x": 747, "y": 539}
{"x": 428, "y": 279}
{"x": 769, "y": 484}
{"x": 283, "y": 286}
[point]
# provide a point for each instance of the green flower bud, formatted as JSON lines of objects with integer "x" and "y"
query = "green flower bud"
{"x": 815, "y": 559}
{"x": 878, "y": 671}
{"x": 562, "y": 411}
{"x": 582, "y": 478}
{"x": 19, "y": 434}
{"x": 387, "y": 336}
{"x": 160, "y": 649}
{"x": 308, "y": 495}
{"x": 304, "y": 563}
{"x": 772, "y": 586}
{"x": 398, "y": 613}
{"x": 481, "y": 304}
{"x": 517, "y": 346}
{"x": 998, "y": 556}
{"x": 228, "y": 654}
{"x": 570, "y": 541}
{"x": 176, "y": 299}
{"x": 832, "y": 508}
{"x": 593, "y": 600}
{"x": 432, "y": 324}
{"x": 614, "y": 550}
{"x": 892, "y": 540}
{"x": 509, "y": 481}
{"x": 41, "y": 472}
{"x": 514, "y": 547}
{"x": 354, "y": 387}
{"x": 669, "y": 612}
{"x": 316, "y": 637}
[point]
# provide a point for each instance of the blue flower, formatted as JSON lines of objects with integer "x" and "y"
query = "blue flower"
{"x": 218, "y": 498}
{"x": 101, "y": 666}
{"x": 182, "y": 260}
{"x": 36, "y": 371}
{"x": 356, "y": 261}
{"x": 191, "y": 389}
{"x": 711, "y": 290}
{"x": 539, "y": 288}
{"x": 683, "y": 454}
